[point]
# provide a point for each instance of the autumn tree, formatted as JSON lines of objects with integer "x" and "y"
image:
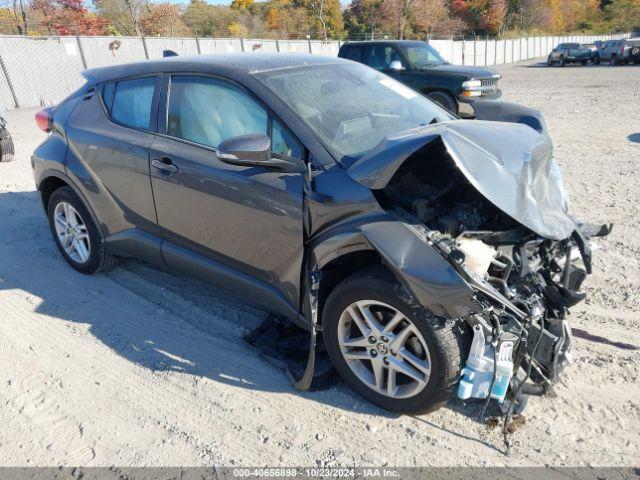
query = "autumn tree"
{"x": 163, "y": 19}
{"x": 326, "y": 16}
{"x": 69, "y": 17}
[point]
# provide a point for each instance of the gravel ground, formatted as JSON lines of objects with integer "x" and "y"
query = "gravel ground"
{"x": 143, "y": 367}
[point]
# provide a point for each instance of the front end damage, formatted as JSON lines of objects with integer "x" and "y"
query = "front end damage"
{"x": 488, "y": 198}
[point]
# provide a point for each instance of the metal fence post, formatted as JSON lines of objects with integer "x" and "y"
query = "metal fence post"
{"x": 198, "y": 45}
{"x": 82, "y": 57}
{"x": 475, "y": 41}
{"x": 463, "y": 45}
{"x": 309, "y": 41}
{"x": 241, "y": 44}
{"x": 144, "y": 46}
{"x": 277, "y": 45}
{"x": 11, "y": 89}
{"x": 512, "y": 49}
{"x": 495, "y": 51}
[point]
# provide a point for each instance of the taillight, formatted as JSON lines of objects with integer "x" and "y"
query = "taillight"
{"x": 44, "y": 120}
{"x": 622, "y": 50}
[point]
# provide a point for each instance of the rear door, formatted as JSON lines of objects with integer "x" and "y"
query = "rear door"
{"x": 246, "y": 218}
{"x": 110, "y": 133}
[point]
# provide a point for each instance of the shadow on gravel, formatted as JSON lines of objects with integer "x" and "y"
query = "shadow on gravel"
{"x": 156, "y": 319}
{"x": 161, "y": 321}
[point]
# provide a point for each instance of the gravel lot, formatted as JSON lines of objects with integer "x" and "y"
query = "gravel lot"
{"x": 143, "y": 367}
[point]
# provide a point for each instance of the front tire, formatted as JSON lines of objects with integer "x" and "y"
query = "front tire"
{"x": 549, "y": 61}
{"x": 613, "y": 61}
{"x": 389, "y": 349}
{"x": 75, "y": 233}
{"x": 445, "y": 100}
{"x": 562, "y": 61}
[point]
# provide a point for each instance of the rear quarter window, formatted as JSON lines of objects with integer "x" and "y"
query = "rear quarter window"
{"x": 352, "y": 53}
{"x": 129, "y": 102}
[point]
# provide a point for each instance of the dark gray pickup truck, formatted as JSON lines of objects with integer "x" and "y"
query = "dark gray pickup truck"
{"x": 420, "y": 66}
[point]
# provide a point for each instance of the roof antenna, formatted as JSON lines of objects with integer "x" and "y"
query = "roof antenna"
{"x": 169, "y": 53}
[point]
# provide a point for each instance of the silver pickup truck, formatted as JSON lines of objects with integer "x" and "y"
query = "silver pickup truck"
{"x": 621, "y": 51}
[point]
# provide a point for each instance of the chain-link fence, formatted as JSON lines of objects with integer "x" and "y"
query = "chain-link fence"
{"x": 36, "y": 71}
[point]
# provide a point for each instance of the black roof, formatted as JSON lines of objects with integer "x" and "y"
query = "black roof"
{"x": 229, "y": 63}
{"x": 395, "y": 42}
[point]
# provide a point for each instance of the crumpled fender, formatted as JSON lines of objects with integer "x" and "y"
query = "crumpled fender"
{"x": 510, "y": 164}
{"x": 418, "y": 266}
{"x": 499, "y": 111}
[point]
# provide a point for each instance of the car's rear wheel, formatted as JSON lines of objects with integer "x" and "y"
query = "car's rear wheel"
{"x": 6, "y": 146}
{"x": 613, "y": 61}
{"x": 596, "y": 60}
{"x": 392, "y": 351}
{"x": 445, "y": 100}
{"x": 75, "y": 233}
{"x": 562, "y": 61}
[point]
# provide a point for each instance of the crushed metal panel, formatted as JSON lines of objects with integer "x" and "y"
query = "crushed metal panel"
{"x": 510, "y": 164}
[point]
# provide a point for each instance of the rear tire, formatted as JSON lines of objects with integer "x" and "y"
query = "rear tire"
{"x": 596, "y": 60}
{"x": 445, "y": 100}
{"x": 562, "y": 61}
{"x": 83, "y": 246}
{"x": 613, "y": 61}
{"x": 7, "y": 150}
{"x": 446, "y": 342}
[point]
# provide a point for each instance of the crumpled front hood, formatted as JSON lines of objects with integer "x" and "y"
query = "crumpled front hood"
{"x": 510, "y": 164}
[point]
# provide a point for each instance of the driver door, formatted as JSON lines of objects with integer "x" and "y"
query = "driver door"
{"x": 248, "y": 219}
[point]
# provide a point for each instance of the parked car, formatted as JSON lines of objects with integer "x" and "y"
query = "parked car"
{"x": 595, "y": 51}
{"x": 566, "y": 53}
{"x": 634, "y": 55}
{"x": 6, "y": 142}
{"x": 618, "y": 52}
{"x": 331, "y": 194}
{"x": 420, "y": 66}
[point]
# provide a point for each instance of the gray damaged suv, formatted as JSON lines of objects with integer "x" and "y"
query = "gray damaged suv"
{"x": 328, "y": 193}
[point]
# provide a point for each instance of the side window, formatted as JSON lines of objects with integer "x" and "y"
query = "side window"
{"x": 380, "y": 56}
{"x": 353, "y": 53}
{"x": 283, "y": 142}
{"x": 208, "y": 111}
{"x": 129, "y": 101}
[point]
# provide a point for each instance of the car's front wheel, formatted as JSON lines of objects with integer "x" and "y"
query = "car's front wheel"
{"x": 549, "y": 61}
{"x": 75, "y": 233}
{"x": 445, "y": 100}
{"x": 392, "y": 351}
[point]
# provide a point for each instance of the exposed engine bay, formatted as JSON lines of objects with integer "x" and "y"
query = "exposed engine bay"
{"x": 525, "y": 282}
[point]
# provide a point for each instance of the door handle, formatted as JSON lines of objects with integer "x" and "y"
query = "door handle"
{"x": 165, "y": 164}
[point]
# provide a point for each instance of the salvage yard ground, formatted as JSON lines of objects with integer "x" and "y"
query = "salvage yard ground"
{"x": 143, "y": 367}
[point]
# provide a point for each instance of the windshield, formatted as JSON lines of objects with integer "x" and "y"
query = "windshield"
{"x": 351, "y": 107}
{"x": 422, "y": 55}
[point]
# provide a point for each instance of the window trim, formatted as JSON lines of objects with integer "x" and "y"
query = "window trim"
{"x": 153, "y": 117}
{"x": 165, "y": 99}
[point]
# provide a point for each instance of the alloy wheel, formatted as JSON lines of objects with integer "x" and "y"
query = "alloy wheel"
{"x": 72, "y": 232}
{"x": 384, "y": 349}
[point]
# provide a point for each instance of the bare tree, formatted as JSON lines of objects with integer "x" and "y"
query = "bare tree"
{"x": 20, "y": 16}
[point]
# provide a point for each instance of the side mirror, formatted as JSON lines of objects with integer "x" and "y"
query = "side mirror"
{"x": 396, "y": 65}
{"x": 253, "y": 147}
{"x": 254, "y": 150}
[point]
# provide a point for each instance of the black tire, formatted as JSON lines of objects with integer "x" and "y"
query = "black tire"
{"x": 613, "y": 61}
{"x": 596, "y": 60}
{"x": 445, "y": 100}
{"x": 562, "y": 61}
{"x": 549, "y": 61}
{"x": 99, "y": 259}
{"x": 448, "y": 341}
{"x": 583, "y": 62}
{"x": 6, "y": 146}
